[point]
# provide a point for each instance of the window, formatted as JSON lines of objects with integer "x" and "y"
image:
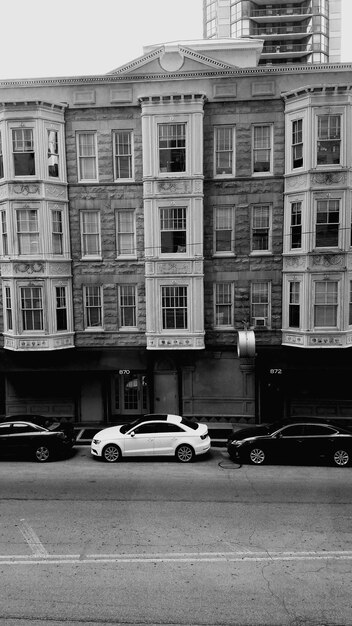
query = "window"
{"x": 262, "y": 152}
{"x": 224, "y": 304}
{"x": 329, "y": 140}
{"x": 127, "y": 305}
{"x": 93, "y": 307}
{"x": 8, "y": 309}
{"x": 327, "y": 225}
{"x": 123, "y": 154}
{"x": 61, "y": 308}
{"x": 53, "y": 153}
{"x": 350, "y": 305}
{"x": 325, "y": 304}
{"x": 4, "y": 237}
{"x": 223, "y": 229}
{"x": 260, "y": 304}
{"x": 297, "y": 144}
{"x": 87, "y": 156}
{"x": 261, "y": 227}
{"x": 32, "y": 308}
{"x": 125, "y": 235}
{"x": 173, "y": 230}
{"x": 90, "y": 233}
{"x": 174, "y": 307}
{"x": 224, "y": 151}
{"x": 1, "y": 160}
{"x": 294, "y": 305}
{"x": 296, "y": 225}
{"x": 172, "y": 147}
{"x": 57, "y": 231}
{"x": 23, "y": 151}
{"x": 28, "y": 231}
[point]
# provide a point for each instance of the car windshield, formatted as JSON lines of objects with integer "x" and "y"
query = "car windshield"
{"x": 125, "y": 427}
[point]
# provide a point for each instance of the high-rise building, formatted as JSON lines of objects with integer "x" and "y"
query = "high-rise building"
{"x": 300, "y": 32}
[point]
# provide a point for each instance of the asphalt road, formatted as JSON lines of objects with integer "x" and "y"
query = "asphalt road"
{"x": 147, "y": 542}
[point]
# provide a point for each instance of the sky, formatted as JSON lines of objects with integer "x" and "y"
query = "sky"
{"x": 86, "y": 37}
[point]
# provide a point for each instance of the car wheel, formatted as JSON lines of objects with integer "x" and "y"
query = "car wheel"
{"x": 341, "y": 458}
{"x": 184, "y": 453}
{"x": 42, "y": 454}
{"x": 111, "y": 453}
{"x": 257, "y": 456}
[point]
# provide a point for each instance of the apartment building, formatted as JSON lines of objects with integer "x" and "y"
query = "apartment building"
{"x": 150, "y": 214}
{"x": 305, "y": 31}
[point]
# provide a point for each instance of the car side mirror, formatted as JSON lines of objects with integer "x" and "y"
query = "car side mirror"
{"x": 132, "y": 433}
{"x": 279, "y": 435}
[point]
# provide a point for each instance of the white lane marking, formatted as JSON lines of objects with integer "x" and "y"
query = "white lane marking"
{"x": 205, "y": 557}
{"x": 32, "y": 539}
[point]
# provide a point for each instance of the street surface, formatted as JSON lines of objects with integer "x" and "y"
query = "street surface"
{"x": 155, "y": 542}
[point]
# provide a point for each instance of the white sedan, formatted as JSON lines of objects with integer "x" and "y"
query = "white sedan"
{"x": 152, "y": 435}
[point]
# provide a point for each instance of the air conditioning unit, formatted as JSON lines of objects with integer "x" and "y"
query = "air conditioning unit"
{"x": 259, "y": 321}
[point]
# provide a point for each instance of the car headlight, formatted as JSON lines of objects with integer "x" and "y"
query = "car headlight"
{"x": 96, "y": 441}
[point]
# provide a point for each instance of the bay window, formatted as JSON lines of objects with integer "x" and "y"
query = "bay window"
{"x": 327, "y": 223}
{"x": 32, "y": 312}
{"x": 27, "y": 231}
{"x": 297, "y": 143}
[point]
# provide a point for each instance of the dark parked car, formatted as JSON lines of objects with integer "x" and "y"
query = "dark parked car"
{"x": 308, "y": 441}
{"x": 50, "y": 423}
{"x": 26, "y": 439}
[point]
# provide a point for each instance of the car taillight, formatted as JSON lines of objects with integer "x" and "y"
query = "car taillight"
{"x": 204, "y": 436}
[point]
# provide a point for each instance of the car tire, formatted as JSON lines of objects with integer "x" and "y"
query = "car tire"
{"x": 341, "y": 458}
{"x": 256, "y": 456}
{"x": 111, "y": 453}
{"x": 42, "y": 454}
{"x": 184, "y": 453}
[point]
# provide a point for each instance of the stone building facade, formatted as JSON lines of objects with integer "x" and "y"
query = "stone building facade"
{"x": 145, "y": 216}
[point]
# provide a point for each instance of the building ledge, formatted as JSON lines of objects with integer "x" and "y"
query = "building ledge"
{"x": 329, "y": 339}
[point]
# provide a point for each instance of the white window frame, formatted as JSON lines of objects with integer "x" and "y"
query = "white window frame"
{"x": 267, "y": 228}
{"x": 335, "y": 304}
{"x": 227, "y": 297}
{"x": 118, "y": 156}
{"x": 173, "y": 216}
{"x": 226, "y": 219}
{"x": 293, "y": 216}
{"x": 295, "y": 144}
{"x": 60, "y": 307}
{"x": 57, "y": 235}
{"x": 291, "y": 303}
{"x": 30, "y": 235}
{"x": 261, "y": 320}
{"x": 53, "y": 153}
{"x": 28, "y": 145}
{"x": 130, "y": 234}
{"x": 183, "y": 309}
{"x": 93, "y": 157}
{"x": 170, "y": 172}
{"x": 4, "y": 231}
{"x": 328, "y": 211}
{"x": 127, "y": 301}
{"x": 332, "y": 139}
{"x": 270, "y": 148}
{"x": 231, "y": 152}
{"x": 85, "y": 234}
{"x": 88, "y": 293}
{"x": 8, "y": 308}
{"x": 34, "y": 309}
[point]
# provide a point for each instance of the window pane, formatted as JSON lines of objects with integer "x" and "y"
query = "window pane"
{"x": 172, "y": 147}
{"x": 224, "y": 150}
{"x": 53, "y": 153}
{"x": 223, "y": 304}
{"x": 127, "y": 305}
{"x": 87, "y": 156}
{"x": 125, "y": 232}
{"x": 93, "y": 306}
{"x": 260, "y": 228}
{"x": 90, "y": 221}
{"x": 123, "y": 154}
{"x": 32, "y": 308}
{"x": 224, "y": 236}
{"x": 23, "y": 152}
{"x": 173, "y": 230}
{"x": 174, "y": 307}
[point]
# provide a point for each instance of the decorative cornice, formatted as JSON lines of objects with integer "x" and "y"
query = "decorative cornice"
{"x": 113, "y": 78}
